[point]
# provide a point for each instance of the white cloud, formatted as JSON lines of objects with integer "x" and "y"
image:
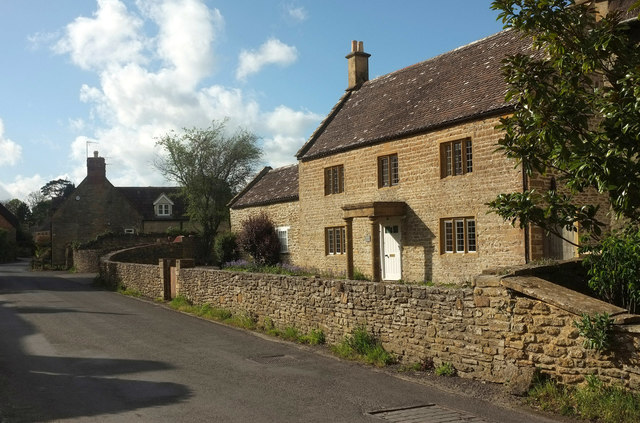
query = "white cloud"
{"x": 112, "y": 36}
{"x": 156, "y": 85}
{"x": 298, "y": 14}
{"x": 273, "y": 51}
{"x": 10, "y": 152}
{"x": 22, "y": 186}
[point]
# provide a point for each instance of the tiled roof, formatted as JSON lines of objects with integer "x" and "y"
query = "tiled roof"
{"x": 142, "y": 199}
{"x": 10, "y": 217}
{"x": 269, "y": 186}
{"x": 462, "y": 84}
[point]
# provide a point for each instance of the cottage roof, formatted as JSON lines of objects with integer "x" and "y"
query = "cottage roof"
{"x": 143, "y": 198}
{"x": 461, "y": 84}
{"x": 9, "y": 217}
{"x": 268, "y": 187}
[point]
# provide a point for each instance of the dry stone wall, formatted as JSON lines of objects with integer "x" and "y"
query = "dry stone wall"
{"x": 494, "y": 331}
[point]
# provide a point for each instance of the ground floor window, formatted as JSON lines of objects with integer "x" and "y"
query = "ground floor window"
{"x": 283, "y": 236}
{"x": 335, "y": 239}
{"x": 458, "y": 235}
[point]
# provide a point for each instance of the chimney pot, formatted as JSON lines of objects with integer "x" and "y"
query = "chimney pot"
{"x": 358, "y": 66}
{"x": 95, "y": 153}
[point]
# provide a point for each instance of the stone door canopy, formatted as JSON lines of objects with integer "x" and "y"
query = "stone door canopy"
{"x": 375, "y": 209}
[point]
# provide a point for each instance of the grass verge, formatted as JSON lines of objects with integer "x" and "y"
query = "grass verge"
{"x": 240, "y": 320}
{"x": 592, "y": 401}
{"x": 314, "y": 337}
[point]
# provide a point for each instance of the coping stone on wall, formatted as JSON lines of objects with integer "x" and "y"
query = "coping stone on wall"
{"x": 561, "y": 297}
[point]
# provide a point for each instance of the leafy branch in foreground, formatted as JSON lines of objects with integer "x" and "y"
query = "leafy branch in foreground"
{"x": 576, "y": 114}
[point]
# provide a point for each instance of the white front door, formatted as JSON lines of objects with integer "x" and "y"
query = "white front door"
{"x": 390, "y": 235}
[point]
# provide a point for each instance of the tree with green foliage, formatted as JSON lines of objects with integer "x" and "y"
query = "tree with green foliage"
{"x": 57, "y": 188}
{"x": 20, "y": 210}
{"x": 211, "y": 166}
{"x": 576, "y": 113}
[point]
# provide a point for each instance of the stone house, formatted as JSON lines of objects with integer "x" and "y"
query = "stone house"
{"x": 10, "y": 224}
{"x": 96, "y": 207}
{"x": 274, "y": 191}
{"x": 395, "y": 180}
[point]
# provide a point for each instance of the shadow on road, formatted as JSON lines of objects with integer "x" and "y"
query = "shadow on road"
{"x": 50, "y": 387}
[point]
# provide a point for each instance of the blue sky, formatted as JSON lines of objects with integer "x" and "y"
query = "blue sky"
{"x": 112, "y": 75}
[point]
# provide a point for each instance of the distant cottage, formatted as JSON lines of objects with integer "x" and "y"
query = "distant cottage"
{"x": 97, "y": 207}
{"x": 394, "y": 181}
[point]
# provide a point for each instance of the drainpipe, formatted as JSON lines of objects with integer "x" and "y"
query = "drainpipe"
{"x": 527, "y": 240}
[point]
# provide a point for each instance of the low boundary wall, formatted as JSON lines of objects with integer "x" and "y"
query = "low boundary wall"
{"x": 499, "y": 330}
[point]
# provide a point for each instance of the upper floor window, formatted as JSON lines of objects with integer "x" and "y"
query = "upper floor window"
{"x": 456, "y": 158}
{"x": 388, "y": 174}
{"x": 334, "y": 180}
{"x": 458, "y": 235}
{"x": 283, "y": 236}
{"x": 163, "y": 206}
{"x": 335, "y": 239}
{"x": 163, "y": 209}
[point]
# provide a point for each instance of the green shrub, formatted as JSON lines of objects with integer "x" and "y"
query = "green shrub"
{"x": 361, "y": 345}
{"x": 596, "y": 331}
{"x": 226, "y": 248}
{"x": 614, "y": 268}
{"x": 445, "y": 369}
{"x": 259, "y": 239}
{"x": 314, "y": 337}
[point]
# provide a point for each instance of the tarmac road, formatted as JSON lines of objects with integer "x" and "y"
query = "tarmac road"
{"x": 70, "y": 352}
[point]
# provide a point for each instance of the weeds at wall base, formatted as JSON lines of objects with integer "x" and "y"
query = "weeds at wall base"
{"x": 593, "y": 401}
{"x": 363, "y": 346}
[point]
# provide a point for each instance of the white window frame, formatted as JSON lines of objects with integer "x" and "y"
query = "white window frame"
{"x": 283, "y": 234}
{"x": 459, "y": 235}
{"x": 163, "y": 210}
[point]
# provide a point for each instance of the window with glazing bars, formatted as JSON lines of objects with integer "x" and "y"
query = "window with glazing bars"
{"x": 388, "y": 174}
{"x": 335, "y": 240}
{"x": 456, "y": 158}
{"x": 458, "y": 235}
{"x": 334, "y": 180}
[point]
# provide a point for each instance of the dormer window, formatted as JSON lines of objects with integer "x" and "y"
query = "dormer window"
{"x": 163, "y": 209}
{"x": 163, "y": 206}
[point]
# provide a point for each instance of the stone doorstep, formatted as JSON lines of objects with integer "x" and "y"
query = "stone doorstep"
{"x": 561, "y": 297}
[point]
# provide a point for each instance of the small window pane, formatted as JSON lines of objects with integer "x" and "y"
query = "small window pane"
{"x": 394, "y": 170}
{"x": 457, "y": 150}
{"x": 448, "y": 236}
{"x": 459, "y": 236}
{"x": 330, "y": 241}
{"x": 448, "y": 160}
{"x": 471, "y": 235}
{"x": 384, "y": 171}
{"x": 469, "y": 156}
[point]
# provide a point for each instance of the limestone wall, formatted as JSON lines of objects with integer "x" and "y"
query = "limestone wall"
{"x": 429, "y": 198}
{"x": 496, "y": 330}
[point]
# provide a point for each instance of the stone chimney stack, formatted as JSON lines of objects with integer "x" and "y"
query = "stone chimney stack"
{"x": 358, "y": 65}
{"x": 96, "y": 168}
